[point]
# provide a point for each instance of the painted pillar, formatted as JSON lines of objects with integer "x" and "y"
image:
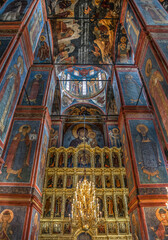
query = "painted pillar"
{"x": 26, "y": 97}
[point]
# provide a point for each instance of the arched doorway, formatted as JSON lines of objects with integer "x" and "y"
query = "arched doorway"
{"x": 84, "y": 236}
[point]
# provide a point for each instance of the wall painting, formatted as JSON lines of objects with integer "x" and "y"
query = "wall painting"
{"x": 35, "y": 225}
{"x": 116, "y": 93}
{"x": 132, "y": 27}
{"x": 152, "y": 12}
{"x": 149, "y": 158}
{"x": 114, "y": 136}
{"x": 10, "y": 88}
{"x": 13, "y": 10}
{"x": 12, "y": 222}
{"x": 35, "y": 26}
{"x": 75, "y": 134}
{"x": 20, "y": 152}
{"x": 127, "y": 160}
{"x": 131, "y": 85}
{"x": 158, "y": 89}
{"x": 51, "y": 92}
{"x": 42, "y": 159}
{"x": 43, "y": 50}
{"x": 157, "y": 221}
{"x": 135, "y": 226}
{"x": 35, "y": 88}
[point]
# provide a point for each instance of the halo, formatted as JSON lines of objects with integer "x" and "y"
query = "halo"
{"x": 29, "y": 128}
{"x": 76, "y": 127}
{"x": 42, "y": 38}
{"x": 91, "y": 135}
{"x": 11, "y": 215}
{"x": 114, "y": 129}
{"x": 123, "y": 39}
{"x": 148, "y": 67}
{"x": 141, "y": 125}
{"x": 20, "y": 60}
{"x": 38, "y": 75}
{"x": 158, "y": 214}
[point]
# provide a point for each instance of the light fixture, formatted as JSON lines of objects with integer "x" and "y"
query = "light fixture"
{"x": 85, "y": 208}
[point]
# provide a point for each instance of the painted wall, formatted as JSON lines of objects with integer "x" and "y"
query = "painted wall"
{"x": 35, "y": 225}
{"x": 148, "y": 154}
{"x": 156, "y": 220}
{"x": 42, "y": 159}
{"x": 132, "y": 27}
{"x": 157, "y": 88}
{"x": 20, "y": 152}
{"x": 131, "y": 87}
{"x": 43, "y": 50}
{"x": 35, "y": 26}
{"x": 51, "y": 92}
{"x": 114, "y": 136}
{"x": 36, "y": 88}
{"x": 152, "y": 12}
{"x": 116, "y": 94}
{"x": 14, "y": 10}
{"x": 10, "y": 88}
{"x": 16, "y": 218}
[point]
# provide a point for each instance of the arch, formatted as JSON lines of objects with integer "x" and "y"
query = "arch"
{"x": 84, "y": 236}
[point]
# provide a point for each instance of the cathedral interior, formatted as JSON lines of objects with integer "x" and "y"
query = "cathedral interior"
{"x": 84, "y": 111}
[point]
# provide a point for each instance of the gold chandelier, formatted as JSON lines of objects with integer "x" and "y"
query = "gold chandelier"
{"x": 85, "y": 212}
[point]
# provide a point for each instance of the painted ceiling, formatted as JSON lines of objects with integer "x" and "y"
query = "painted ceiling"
{"x": 83, "y": 48}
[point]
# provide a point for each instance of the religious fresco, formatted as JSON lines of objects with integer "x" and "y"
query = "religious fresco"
{"x": 67, "y": 100}
{"x": 54, "y": 136}
{"x": 114, "y": 136}
{"x": 164, "y": 4}
{"x": 131, "y": 86}
{"x": 116, "y": 93}
{"x": 79, "y": 39}
{"x": 19, "y": 155}
{"x": 14, "y": 10}
{"x": 123, "y": 50}
{"x": 157, "y": 88}
{"x": 81, "y": 110}
{"x": 42, "y": 159}
{"x": 35, "y": 225}
{"x": 10, "y": 88}
{"x": 161, "y": 40}
{"x": 132, "y": 27}
{"x": 35, "y": 88}
{"x": 43, "y": 50}
{"x": 51, "y": 93}
{"x": 35, "y": 26}
{"x": 149, "y": 158}
{"x": 152, "y": 12}
{"x": 4, "y": 43}
{"x": 57, "y": 100}
{"x": 127, "y": 160}
{"x": 12, "y": 222}
{"x": 111, "y": 107}
{"x": 135, "y": 226}
{"x": 157, "y": 221}
{"x": 83, "y": 82}
{"x": 75, "y": 135}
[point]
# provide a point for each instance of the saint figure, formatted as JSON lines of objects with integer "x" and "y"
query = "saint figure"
{"x": 18, "y": 155}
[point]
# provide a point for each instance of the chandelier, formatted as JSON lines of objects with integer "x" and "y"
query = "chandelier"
{"x": 85, "y": 212}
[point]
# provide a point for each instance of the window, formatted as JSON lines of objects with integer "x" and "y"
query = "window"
{"x": 100, "y": 80}
{"x": 68, "y": 82}
{"x": 84, "y": 86}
